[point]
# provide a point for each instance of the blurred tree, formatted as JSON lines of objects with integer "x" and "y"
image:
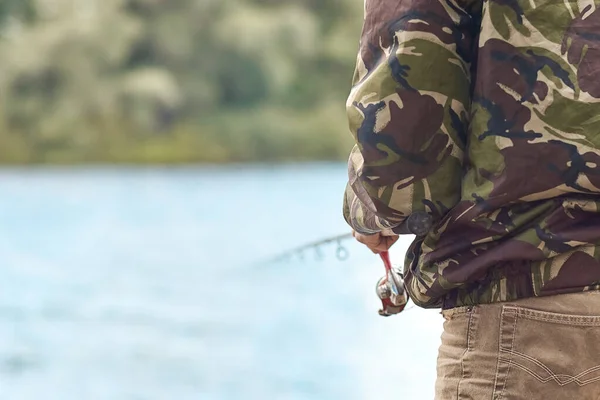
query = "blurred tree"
{"x": 176, "y": 80}
{"x": 20, "y": 10}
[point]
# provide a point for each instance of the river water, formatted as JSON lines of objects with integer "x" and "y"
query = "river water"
{"x": 148, "y": 283}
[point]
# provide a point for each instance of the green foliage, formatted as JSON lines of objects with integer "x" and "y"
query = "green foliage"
{"x": 175, "y": 81}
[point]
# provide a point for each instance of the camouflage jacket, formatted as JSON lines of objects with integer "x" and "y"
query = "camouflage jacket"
{"x": 485, "y": 117}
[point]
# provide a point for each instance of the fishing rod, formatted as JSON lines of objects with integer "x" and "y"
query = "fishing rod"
{"x": 418, "y": 224}
{"x": 341, "y": 252}
{"x": 390, "y": 289}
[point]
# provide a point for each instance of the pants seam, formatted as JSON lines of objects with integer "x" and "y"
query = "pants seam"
{"x": 499, "y": 354}
{"x": 506, "y": 312}
{"x": 512, "y": 342}
{"x": 464, "y": 354}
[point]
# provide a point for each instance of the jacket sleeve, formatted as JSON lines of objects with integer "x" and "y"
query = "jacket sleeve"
{"x": 408, "y": 111}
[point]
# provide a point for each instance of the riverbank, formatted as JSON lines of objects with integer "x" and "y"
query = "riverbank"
{"x": 265, "y": 135}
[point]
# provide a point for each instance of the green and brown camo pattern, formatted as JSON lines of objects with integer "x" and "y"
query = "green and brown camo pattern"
{"x": 485, "y": 115}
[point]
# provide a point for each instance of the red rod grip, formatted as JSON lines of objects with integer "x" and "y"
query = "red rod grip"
{"x": 385, "y": 256}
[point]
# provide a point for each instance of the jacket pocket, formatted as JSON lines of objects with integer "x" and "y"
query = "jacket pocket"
{"x": 545, "y": 355}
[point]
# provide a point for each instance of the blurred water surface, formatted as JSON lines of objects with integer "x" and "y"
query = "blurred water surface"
{"x": 144, "y": 284}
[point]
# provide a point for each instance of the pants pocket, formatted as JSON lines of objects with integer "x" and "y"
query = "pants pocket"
{"x": 545, "y": 355}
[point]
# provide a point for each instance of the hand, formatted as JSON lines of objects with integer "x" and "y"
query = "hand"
{"x": 377, "y": 243}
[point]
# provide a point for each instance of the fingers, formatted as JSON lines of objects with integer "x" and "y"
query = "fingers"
{"x": 368, "y": 240}
{"x": 384, "y": 244}
{"x": 391, "y": 240}
{"x": 376, "y": 243}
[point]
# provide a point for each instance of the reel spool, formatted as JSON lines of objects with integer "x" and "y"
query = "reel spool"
{"x": 390, "y": 289}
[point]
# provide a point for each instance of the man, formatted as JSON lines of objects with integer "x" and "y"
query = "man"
{"x": 477, "y": 126}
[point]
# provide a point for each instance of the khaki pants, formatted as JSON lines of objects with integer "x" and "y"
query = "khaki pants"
{"x": 540, "y": 348}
